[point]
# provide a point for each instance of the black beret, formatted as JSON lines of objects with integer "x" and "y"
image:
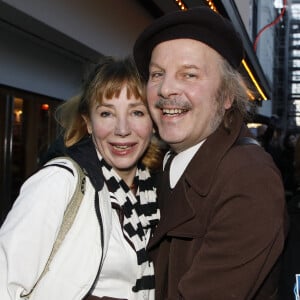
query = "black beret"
{"x": 201, "y": 24}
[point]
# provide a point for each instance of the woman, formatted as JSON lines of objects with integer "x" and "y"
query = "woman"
{"x": 107, "y": 132}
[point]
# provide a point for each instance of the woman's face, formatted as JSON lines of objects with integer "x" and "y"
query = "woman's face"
{"x": 121, "y": 128}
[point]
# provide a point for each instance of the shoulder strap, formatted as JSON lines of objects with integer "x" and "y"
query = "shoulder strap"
{"x": 69, "y": 214}
{"x": 245, "y": 140}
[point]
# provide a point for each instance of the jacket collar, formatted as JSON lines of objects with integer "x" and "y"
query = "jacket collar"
{"x": 85, "y": 154}
{"x": 204, "y": 164}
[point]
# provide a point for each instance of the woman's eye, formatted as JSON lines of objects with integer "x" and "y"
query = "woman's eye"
{"x": 138, "y": 113}
{"x": 105, "y": 114}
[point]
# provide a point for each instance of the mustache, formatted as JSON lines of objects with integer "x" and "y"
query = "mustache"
{"x": 175, "y": 102}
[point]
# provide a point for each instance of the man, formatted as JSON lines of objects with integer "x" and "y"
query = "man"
{"x": 223, "y": 216}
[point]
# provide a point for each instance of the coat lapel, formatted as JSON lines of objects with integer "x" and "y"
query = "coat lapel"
{"x": 173, "y": 204}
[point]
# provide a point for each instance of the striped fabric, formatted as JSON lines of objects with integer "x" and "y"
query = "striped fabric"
{"x": 140, "y": 214}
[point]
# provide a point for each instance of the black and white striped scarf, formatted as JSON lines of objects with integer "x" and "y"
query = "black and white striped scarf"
{"x": 140, "y": 214}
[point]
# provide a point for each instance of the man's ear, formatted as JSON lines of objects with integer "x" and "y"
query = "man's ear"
{"x": 228, "y": 102}
{"x": 88, "y": 123}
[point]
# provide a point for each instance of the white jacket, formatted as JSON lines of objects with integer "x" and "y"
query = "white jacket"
{"x": 30, "y": 229}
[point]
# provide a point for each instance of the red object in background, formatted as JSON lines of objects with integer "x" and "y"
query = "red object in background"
{"x": 270, "y": 24}
{"x": 45, "y": 106}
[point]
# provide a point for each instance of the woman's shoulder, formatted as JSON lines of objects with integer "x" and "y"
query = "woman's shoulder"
{"x": 59, "y": 176}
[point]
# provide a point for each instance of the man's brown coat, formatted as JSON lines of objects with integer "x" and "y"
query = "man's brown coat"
{"x": 223, "y": 226}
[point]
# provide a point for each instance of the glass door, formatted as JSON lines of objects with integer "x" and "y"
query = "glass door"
{"x": 28, "y": 128}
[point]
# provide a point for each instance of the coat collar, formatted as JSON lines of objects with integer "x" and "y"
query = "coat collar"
{"x": 85, "y": 154}
{"x": 175, "y": 207}
{"x": 204, "y": 164}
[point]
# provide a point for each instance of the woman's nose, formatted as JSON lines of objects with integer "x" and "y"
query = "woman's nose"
{"x": 122, "y": 127}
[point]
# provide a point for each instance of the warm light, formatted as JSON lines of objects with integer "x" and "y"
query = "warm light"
{"x": 254, "y": 80}
{"x": 211, "y": 5}
{"x": 250, "y": 95}
{"x": 18, "y": 113}
{"x": 181, "y": 5}
{"x": 254, "y": 125}
{"x": 45, "y": 106}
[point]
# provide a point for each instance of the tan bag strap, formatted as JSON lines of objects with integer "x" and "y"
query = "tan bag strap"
{"x": 69, "y": 215}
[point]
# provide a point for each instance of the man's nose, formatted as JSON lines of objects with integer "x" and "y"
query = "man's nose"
{"x": 168, "y": 87}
